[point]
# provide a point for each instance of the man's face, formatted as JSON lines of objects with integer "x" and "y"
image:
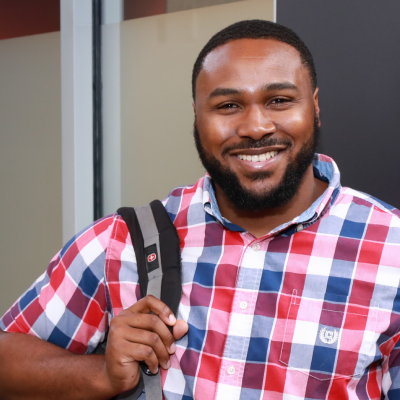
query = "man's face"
{"x": 257, "y": 121}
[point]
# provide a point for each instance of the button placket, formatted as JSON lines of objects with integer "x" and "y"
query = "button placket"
{"x": 249, "y": 277}
{"x": 245, "y": 301}
{"x": 231, "y": 370}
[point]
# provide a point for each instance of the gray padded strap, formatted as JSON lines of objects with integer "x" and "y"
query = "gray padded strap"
{"x": 152, "y": 384}
{"x": 147, "y": 223}
{"x": 150, "y": 236}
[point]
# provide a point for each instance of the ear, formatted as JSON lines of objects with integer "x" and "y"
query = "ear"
{"x": 194, "y": 108}
{"x": 316, "y": 104}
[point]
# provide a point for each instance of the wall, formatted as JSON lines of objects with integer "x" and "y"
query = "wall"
{"x": 355, "y": 45}
{"x": 180, "y": 5}
{"x": 27, "y": 17}
{"x": 30, "y": 160}
{"x": 157, "y": 56}
{"x": 139, "y": 8}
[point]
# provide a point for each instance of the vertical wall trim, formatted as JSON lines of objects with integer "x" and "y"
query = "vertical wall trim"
{"x": 112, "y": 16}
{"x": 77, "y": 115}
{"x": 274, "y": 10}
{"x": 113, "y": 11}
{"x": 97, "y": 113}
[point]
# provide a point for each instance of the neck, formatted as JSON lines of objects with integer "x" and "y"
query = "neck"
{"x": 259, "y": 223}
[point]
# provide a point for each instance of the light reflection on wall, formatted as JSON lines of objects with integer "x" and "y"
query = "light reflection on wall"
{"x": 139, "y": 8}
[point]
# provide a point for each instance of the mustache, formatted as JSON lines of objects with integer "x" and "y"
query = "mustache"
{"x": 246, "y": 144}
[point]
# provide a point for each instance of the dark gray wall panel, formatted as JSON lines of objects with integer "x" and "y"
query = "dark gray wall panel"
{"x": 356, "y": 48}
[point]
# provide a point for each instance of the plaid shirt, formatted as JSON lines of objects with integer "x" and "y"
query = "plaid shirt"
{"x": 309, "y": 311}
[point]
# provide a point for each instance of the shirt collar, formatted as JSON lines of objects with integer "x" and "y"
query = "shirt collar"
{"x": 324, "y": 168}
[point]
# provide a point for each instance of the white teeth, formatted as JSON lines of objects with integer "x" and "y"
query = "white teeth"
{"x": 257, "y": 158}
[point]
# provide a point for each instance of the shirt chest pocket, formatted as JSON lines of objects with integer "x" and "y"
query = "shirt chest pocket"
{"x": 328, "y": 336}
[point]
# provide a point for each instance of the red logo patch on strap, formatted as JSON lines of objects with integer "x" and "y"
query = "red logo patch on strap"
{"x": 151, "y": 257}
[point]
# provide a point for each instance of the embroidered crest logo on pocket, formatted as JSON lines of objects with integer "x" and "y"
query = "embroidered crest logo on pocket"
{"x": 327, "y": 336}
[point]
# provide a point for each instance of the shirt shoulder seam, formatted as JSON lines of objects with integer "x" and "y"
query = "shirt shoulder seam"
{"x": 369, "y": 199}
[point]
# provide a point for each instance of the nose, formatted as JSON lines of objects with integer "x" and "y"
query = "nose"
{"x": 255, "y": 123}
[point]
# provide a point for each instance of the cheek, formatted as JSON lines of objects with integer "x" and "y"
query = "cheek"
{"x": 214, "y": 131}
{"x": 298, "y": 125}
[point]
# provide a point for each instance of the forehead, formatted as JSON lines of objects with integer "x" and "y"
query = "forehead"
{"x": 252, "y": 61}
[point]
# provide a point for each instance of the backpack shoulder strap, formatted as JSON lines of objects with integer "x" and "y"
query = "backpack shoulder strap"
{"x": 157, "y": 249}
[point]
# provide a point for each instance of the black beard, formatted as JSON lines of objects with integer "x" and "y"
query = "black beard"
{"x": 246, "y": 199}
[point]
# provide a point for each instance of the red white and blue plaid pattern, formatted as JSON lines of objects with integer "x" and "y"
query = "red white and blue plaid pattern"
{"x": 309, "y": 311}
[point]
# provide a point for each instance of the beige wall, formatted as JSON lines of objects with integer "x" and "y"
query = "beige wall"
{"x": 157, "y": 55}
{"x": 30, "y": 160}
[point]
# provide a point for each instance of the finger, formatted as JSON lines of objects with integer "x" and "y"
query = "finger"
{"x": 145, "y": 322}
{"x": 152, "y": 340}
{"x": 151, "y": 304}
{"x": 147, "y": 354}
{"x": 180, "y": 329}
{"x": 128, "y": 352}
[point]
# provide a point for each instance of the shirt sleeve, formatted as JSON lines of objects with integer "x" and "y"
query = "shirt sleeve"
{"x": 391, "y": 377}
{"x": 67, "y": 304}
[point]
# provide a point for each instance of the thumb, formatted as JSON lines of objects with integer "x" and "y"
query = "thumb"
{"x": 180, "y": 329}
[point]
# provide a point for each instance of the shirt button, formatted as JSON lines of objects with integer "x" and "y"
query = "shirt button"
{"x": 243, "y": 305}
{"x": 255, "y": 246}
{"x": 300, "y": 227}
{"x": 231, "y": 370}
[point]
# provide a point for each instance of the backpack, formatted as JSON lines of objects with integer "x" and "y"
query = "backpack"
{"x": 158, "y": 257}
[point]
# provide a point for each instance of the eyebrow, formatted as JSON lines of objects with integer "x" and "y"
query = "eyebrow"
{"x": 266, "y": 88}
{"x": 280, "y": 86}
{"x": 223, "y": 92}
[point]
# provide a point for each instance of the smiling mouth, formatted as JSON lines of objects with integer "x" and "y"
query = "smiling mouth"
{"x": 258, "y": 157}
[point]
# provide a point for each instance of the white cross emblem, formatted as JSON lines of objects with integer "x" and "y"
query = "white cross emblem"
{"x": 151, "y": 257}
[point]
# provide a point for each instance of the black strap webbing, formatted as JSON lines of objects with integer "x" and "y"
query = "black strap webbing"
{"x": 169, "y": 262}
{"x": 171, "y": 288}
{"x": 128, "y": 214}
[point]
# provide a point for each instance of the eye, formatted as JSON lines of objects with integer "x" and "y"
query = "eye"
{"x": 279, "y": 101}
{"x": 228, "y": 105}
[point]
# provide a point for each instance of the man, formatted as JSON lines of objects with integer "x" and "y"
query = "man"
{"x": 290, "y": 282}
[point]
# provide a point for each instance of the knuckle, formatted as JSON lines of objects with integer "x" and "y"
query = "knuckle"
{"x": 116, "y": 322}
{"x": 147, "y": 351}
{"x": 166, "y": 310}
{"x": 115, "y": 330}
{"x": 153, "y": 319}
{"x": 113, "y": 322}
{"x": 150, "y": 298}
{"x": 153, "y": 338}
{"x": 169, "y": 337}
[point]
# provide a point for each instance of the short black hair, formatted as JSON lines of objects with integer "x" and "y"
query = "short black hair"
{"x": 255, "y": 29}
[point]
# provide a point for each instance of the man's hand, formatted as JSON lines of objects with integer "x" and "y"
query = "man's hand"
{"x": 140, "y": 333}
{"x": 50, "y": 372}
